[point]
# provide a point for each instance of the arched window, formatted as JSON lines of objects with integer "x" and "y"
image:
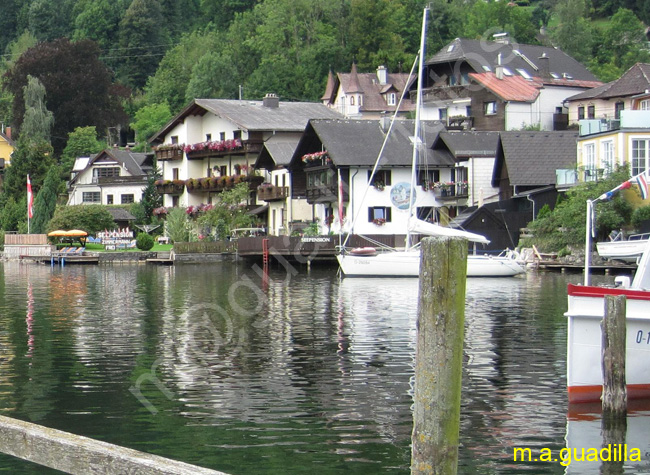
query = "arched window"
{"x": 351, "y": 100}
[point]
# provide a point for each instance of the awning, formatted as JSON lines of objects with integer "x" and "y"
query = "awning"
{"x": 259, "y": 210}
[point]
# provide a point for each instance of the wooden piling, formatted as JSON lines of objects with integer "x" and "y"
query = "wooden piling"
{"x": 614, "y": 398}
{"x": 439, "y": 356}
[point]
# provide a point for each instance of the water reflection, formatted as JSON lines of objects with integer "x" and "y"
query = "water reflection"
{"x": 301, "y": 372}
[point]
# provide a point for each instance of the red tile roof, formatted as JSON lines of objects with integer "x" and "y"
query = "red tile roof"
{"x": 510, "y": 88}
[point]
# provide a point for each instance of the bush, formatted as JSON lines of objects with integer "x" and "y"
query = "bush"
{"x": 640, "y": 215}
{"x": 144, "y": 241}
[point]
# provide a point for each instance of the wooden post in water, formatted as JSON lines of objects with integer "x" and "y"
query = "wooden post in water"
{"x": 613, "y": 356}
{"x": 439, "y": 356}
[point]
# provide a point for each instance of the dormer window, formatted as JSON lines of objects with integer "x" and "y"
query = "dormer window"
{"x": 391, "y": 99}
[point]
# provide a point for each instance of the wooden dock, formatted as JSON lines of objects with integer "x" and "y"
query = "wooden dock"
{"x": 162, "y": 258}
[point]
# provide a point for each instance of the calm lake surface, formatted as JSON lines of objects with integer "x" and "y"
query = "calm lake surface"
{"x": 212, "y": 365}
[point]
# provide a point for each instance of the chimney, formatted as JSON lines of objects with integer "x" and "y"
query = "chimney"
{"x": 544, "y": 66}
{"x": 503, "y": 38}
{"x": 8, "y": 132}
{"x": 384, "y": 122}
{"x": 498, "y": 71}
{"x": 382, "y": 75}
{"x": 271, "y": 101}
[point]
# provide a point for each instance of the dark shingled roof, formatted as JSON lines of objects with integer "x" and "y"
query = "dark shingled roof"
{"x": 277, "y": 153}
{"x": 468, "y": 144}
{"x": 137, "y": 164}
{"x": 479, "y": 53}
{"x": 635, "y": 80}
{"x": 358, "y": 143}
{"x": 120, "y": 214}
{"x": 533, "y": 157}
{"x": 253, "y": 115}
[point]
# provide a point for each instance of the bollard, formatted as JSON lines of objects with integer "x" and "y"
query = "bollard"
{"x": 439, "y": 356}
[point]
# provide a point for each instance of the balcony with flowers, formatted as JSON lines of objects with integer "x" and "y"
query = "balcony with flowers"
{"x": 317, "y": 159}
{"x": 269, "y": 192}
{"x": 172, "y": 187}
{"x": 221, "y": 183}
{"x": 166, "y": 152}
{"x": 450, "y": 189}
{"x": 212, "y": 148}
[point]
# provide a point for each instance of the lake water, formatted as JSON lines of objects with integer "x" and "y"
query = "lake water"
{"x": 216, "y": 366}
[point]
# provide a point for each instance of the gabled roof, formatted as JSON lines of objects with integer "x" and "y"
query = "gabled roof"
{"x": 137, "y": 164}
{"x": 120, "y": 214}
{"x": 7, "y": 139}
{"x": 532, "y": 157}
{"x": 358, "y": 142}
{"x": 276, "y": 153}
{"x": 635, "y": 80}
{"x": 509, "y": 88}
{"x": 253, "y": 115}
{"x": 369, "y": 85}
{"x": 479, "y": 53}
{"x": 465, "y": 144}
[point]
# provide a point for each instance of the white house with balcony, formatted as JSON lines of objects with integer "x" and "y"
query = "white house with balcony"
{"x": 212, "y": 144}
{"x": 112, "y": 177}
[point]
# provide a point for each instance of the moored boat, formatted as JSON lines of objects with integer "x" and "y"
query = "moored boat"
{"x": 629, "y": 250}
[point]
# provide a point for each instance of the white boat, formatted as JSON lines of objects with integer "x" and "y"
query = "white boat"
{"x": 406, "y": 263}
{"x": 629, "y": 250}
{"x": 585, "y": 313}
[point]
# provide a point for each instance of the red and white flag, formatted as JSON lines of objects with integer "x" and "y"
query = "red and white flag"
{"x": 30, "y": 199}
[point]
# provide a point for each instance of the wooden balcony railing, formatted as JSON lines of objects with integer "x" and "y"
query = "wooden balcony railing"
{"x": 169, "y": 154}
{"x": 170, "y": 188}
{"x": 218, "y": 184}
{"x": 272, "y": 193}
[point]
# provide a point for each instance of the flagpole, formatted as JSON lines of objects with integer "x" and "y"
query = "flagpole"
{"x": 590, "y": 206}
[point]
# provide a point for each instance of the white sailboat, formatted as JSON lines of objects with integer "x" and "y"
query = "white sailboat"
{"x": 367, "y": 262}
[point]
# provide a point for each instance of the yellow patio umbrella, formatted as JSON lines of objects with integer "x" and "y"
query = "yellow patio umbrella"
{"x": 75, "y": 233}
{"x": 58, "y": 233}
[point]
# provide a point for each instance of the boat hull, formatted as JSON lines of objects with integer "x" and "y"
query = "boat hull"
{"x": 407, "y": 264}
{"x": 628, "y": 251}
{"x": 584, "y": 342}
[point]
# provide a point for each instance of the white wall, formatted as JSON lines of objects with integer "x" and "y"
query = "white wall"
{"x": 479, "y": 173}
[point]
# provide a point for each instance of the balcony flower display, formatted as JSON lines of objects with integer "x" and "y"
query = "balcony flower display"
{"x": 379, "y": 185}
{"x": 160, "y": 212}
{"x": 215, "y": 145}
{"x": 379, "y": 221}
{"x": 198, "y": 210}
{"x": 313, "y": 157}
{"x": 169, "y": 146}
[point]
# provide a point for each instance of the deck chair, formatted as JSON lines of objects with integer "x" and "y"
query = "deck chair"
{"x": 78, "y": 251}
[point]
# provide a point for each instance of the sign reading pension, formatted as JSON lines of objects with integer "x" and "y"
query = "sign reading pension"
{"x": 116, "y": 236}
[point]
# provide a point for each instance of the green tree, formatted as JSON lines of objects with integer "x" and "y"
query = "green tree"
{"x": 144, "y": 241}
{"x": 228, "y": 213}
{"x": 486, "y": 18}
{"x": 214, "y": 76}
{"x": 178, "y": 225}
{"x": 45, "y": 202}
{"x": 99, "y": 21}
{"x": 89, "y": 218}
{"x": 222, "y": 12}
{"x": 625, "y": 40}
{"x": 151, "y": 199}
{"x": 38, "y": 121}
{"x": 50, "y": 19}
{"x": 149, "y": 120}
{"x": 33, "y": 159}
{"x": 145, "y": 41}
{"x": 82, "y": 142}
{"x": 13, "y": 216}
{"x": 573, "y": 33}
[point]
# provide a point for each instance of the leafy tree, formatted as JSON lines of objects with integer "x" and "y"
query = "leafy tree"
{"x": 58, "y": 65}
{"x": 151, "y": 199}
{"x": 573, "y": 33}
{"x": 82, "y": 142}
{"x": 149, "y": 120}
{"x": 145, "y": 40}
{"x": 9, "y": 22}
{"x": 640, "y": 215}
{"x": 229, "y": 212}
{"x": 45, "y": 202}
{"x": 99, "y": 21}
{"x": 38, "y": 121}
{"x": 484, "y": 19}
{"x": 89, "y": 218}
{"x": 214, "y": 76}
{"x": 33, "y": 159}
{"x": 178, "y": 226}
{"x": 50, "y": 19}
{"x": 222, "y": 12}
{"x": 13, "y": 216}
{"x": 625, "y": 40}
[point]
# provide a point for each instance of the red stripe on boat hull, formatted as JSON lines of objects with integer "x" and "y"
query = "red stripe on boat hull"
{"x": 589, "y": 291}
{"x": 580, "y": 394}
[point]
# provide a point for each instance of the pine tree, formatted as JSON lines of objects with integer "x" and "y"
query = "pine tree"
{"x": 151, "y": 199}
{"x": 45, "y": 202}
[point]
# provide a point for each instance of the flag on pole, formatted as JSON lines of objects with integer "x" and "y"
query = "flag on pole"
{"x": 640, "y": 180}
{"x": 642, "y": 183}
{"x": 30, "y": 199}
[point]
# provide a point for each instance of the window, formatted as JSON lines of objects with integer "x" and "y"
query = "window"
{"x": 351, "y": 100}
{"x": 381, "y": 176}
{"x": 618, "y": 107}
{"x": 427, "y": 213}
{"x": 581, "y": 112}
{"x": 640, "y": 155}
{"x": 222, "y": 136}
{"x": 236, "y": 134}
{"x": 644, "y": 105}
{"x": 379, "y": 212}
{"x": 442, "y": 113}
{"x": 490, "y": 108}
{"x": 591, "y": 112}
{"x": 391, "y": 99}
{"x": 589, "y": 160}
{"x": 468, "y": 111}
{"x": 175, "y": 173}
{"x": 127, "y": 199}
{"x": 608, "y": 157}
{"x": 106, "y": 172}
{"x": 174, "y": 139}
{"x": 208, "y": 137}
{"x": 109, "y": 199}
{"x": 428, "y": 176}
{"x": 175, "y": 201}
{"x": 91, "y": 197}
{"x": 223, "y": 170}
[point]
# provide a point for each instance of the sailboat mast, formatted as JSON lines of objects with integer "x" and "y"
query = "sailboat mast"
{"x": 417, "y": 141}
